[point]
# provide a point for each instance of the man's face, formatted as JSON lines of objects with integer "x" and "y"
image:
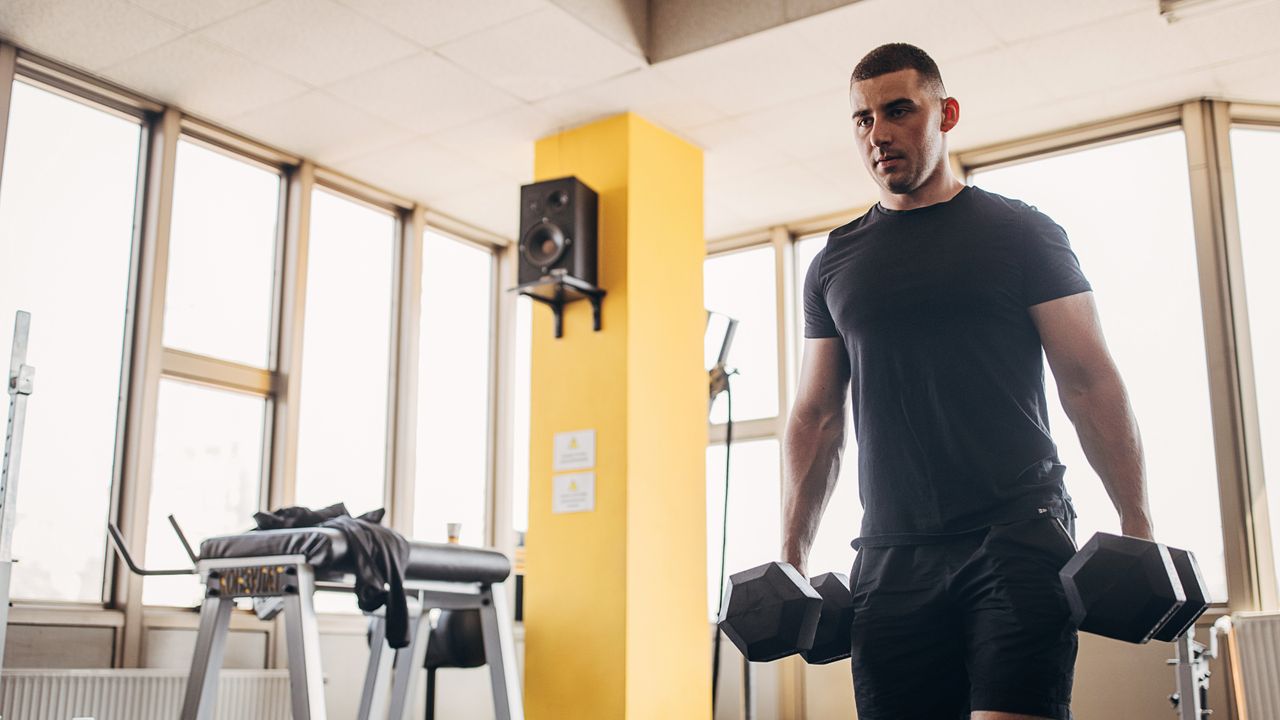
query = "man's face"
{"x": 899, "y": 124}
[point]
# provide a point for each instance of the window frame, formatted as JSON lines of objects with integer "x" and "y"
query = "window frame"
{"x": 146, "y": 361}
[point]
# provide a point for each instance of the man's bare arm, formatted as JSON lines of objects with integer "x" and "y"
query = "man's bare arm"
{"x": 813, "y": 444}
{"x": 1095, "y": 399}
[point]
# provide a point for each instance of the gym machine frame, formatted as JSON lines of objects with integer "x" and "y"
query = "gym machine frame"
{"x": 21, "y": 384}
{"x": 288, "y": 583}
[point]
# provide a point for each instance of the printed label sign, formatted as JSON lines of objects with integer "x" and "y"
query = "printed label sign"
{"x": 575, "y": 450}
{"x": 575, "y": 492}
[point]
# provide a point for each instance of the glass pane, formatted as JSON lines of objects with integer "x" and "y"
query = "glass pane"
{"x": 755, "y": 511}
{"x": 831, "y": 551}
{"x": 741, "y": 285}
{"x": 1133, "y": 234}
{"x": 1255, "y": 155}
{"x": 346, "y": 352}
{"x": 221, "y": 256}
{"x": 453, "y": 390}
{"x": 66, "y": 236}
{"x": 520, "y": 435}
{"x": 207, "y": 474}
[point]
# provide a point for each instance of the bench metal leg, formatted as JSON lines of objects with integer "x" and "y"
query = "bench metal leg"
{"x": 373, "y": 699}
{"x": 499, "y": 652}
{"x": 202, "y": 681}
{"x": 306, "y": 681}
{"x": 409, "y": 662}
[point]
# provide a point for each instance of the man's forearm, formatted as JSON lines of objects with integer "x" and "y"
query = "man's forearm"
{"x": 811, "y": 454}
{"x": 1108, "y": 431}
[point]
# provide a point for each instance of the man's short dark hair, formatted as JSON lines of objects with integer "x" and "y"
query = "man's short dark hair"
{"x": 893, "y": 57}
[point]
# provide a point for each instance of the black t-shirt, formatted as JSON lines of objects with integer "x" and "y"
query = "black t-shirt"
{"x": 947, "y": 373}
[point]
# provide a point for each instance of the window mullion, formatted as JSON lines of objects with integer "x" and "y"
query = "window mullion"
{"x": 297, "y": 233}
{"x": 1206, "y": 137}
{"x": 403, "y": 408}
{"x": 145, "y": 368}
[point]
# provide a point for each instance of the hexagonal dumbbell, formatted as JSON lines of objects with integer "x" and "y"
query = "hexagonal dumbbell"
{"x": 770, "y": 612}
{"x": 1131, "y": 589}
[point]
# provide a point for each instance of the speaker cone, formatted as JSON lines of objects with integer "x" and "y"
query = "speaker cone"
{"x": 543, "y": 244}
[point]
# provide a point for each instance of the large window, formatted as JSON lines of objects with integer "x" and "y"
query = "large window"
{"x": 755, "y": 516}
{"x": 342, "y": 429}
{"x": 221, "y": 256}
{"x": 842, "y": 521}
{"x": 207, "y": 474}
{"x": 66, "y": 237}
{"x": 208, "y": 456}
{"x": 742, "y": 286}
{"x": 1255, "y": 156}
{"x": 1126, "y": 207}
{"x": 453, "y": 390}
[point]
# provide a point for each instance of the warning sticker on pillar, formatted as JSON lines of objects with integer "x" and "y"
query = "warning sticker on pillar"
{"x": 574, "y": 492}
{"x": 574, "y": 450}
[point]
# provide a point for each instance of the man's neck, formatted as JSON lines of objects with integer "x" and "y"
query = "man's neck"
{"x": 939, "y": 188}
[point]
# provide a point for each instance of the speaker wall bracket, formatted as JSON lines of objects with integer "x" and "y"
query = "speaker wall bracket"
{"x": 559, "y": 289}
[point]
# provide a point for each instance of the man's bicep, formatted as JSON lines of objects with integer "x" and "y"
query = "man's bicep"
{"x": 824, "y": 377}
{"x": 1071, "y": 333}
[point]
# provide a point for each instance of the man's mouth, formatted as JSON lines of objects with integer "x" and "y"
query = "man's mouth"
{"x": 888, "y": 162}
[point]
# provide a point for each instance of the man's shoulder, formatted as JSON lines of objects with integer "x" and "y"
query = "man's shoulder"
{"x": 851, "y": 227}
{"x": 1000, "y": 206}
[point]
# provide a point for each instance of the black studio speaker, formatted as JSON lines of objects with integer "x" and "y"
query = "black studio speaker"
{"x": 558, "y": 228}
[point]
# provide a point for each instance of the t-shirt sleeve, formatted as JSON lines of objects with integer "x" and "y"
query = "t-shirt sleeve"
{"x": 817, "y": 317}
{"x": 1050, "y": 269}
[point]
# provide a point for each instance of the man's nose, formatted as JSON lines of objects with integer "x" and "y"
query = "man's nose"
{"x": 880, "y": 136}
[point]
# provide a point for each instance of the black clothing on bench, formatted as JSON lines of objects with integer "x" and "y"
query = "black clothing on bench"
{"x": 379, "y": 554}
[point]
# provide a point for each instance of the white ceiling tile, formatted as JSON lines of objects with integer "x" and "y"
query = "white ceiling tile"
{"x": 317, "y": 41}
{"x": 846, "y": 177}
{"x": 1152, "y": 93}
{"x": 1018, "y": 20}
{"x": 91, "y": 34}
{"x": 806, "y": 127}
{"x": 432, "y": 22}
{"x": 419, "y": 168}
{"x": 503, "y": 141}
{"x": 750, "y": 73}
{"x": 319, "y": 126}
{"x": 719, "y": 220}
{"x": 204, "y": 78}
{"x": 493, "y": 206}
{"x": 1256, "y": 80}
{"x": 541, "y": 54}
{"x": 424, "y": 93}
{"x": 730, "y": 149}
{"x": 1115, "y": 52}
{"x": 194, "y": 14}
{"x": 990, "y": 83}
{"x": 1235, "y": 32}
{"x": 644, "y": 91}
{"x": 777, "y": 195}
{"x": 945, "y": 29}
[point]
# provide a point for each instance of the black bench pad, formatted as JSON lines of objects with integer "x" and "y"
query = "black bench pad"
{"x": 326, "y": 550}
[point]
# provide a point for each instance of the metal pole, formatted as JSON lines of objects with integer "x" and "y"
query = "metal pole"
{"x": 21, "y": 382}
{"x": 748, "y": 691}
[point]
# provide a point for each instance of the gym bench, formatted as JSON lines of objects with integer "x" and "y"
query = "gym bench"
{"x": 281, "y": 570}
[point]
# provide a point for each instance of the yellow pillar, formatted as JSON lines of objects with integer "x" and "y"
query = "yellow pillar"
{"x": 615, "y": 607}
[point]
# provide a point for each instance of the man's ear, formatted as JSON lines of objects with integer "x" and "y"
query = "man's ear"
{"x": 950, "y": 113}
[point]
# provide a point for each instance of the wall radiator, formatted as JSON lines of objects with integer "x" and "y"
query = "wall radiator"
{"x": 137, "y": 694}
{"x": 1255, "y": 664}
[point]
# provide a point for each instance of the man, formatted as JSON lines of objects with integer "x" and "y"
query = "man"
{"x": 936, "y": 304}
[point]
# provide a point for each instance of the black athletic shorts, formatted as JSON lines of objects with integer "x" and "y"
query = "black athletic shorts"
{"x": 976, "y": 622}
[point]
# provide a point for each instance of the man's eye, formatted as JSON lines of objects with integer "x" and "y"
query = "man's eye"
{"x": 864, "y": 121}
